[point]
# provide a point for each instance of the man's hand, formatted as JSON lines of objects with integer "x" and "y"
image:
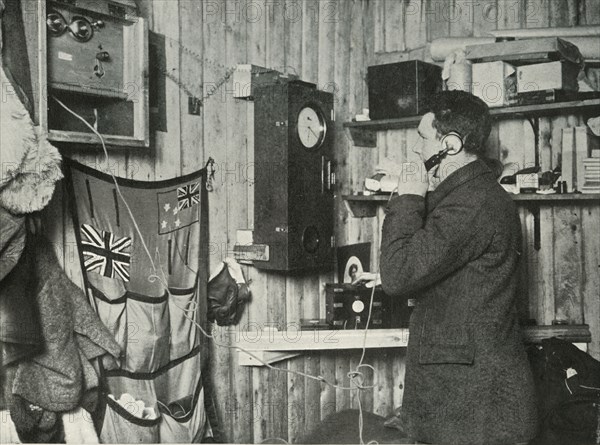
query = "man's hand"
{"x": 370, "y": 279}
{"x": 413, "y": 179}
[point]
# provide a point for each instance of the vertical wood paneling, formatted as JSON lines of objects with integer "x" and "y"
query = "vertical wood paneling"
{"x": 392, "y": 12}
{"x": 437, "y": 26}
{"x": 236, "y": 184}
{"x": 383, "y": 394}
{"x": 484, "y": 18}
{"x": 257, "y": 50}
{"x": 168, "y": 145}
{"x": 276, "y": 283}
{"x": 415, "y": 35}
{"x": 567, "y": 247}
{"x": 340, "y": 71}
{"x": 310, "y": 40}
{"x": 293, "y": 44}
{"x": 296, "y": 287}
{"x": 312, "y": 392}
{"x": 542, "y": 301}
{"x": 509, "y": 14}
{"x": 592, "y": 12}
{"x": 537, "y": 13}
{"x": 398, "y": 371}
{"x": 564, "y": 13}
{"x": 191, "y": 62}
{"x": 461, "y": 17}
{"x": 215, "y": 126}
{"x": 567, "y": 264}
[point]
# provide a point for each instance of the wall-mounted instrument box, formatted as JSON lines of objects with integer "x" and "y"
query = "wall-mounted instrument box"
{"x": 293, "y": 176}
{"x": 94, "y": 59}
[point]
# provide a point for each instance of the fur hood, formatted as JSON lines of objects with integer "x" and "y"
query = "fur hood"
{"x": 30, "y": 164}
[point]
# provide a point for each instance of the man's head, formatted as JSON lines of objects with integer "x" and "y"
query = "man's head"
{"x": 463, "y": 113}
{"x": 453, "y": 112}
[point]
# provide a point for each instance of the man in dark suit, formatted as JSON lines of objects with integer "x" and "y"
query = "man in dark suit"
{"x": 456, "y": 250}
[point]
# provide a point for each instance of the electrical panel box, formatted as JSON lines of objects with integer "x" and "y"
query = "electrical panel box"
{"x": 96, "y": 64}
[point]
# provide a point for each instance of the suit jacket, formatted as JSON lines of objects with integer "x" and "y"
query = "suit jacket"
{"x": 467, "y": 380}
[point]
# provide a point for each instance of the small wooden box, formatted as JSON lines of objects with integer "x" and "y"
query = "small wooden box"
{"x": 547, "y": 76}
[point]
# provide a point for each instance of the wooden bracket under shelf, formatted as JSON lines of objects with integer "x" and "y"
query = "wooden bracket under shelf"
{"x": 363, "y": 138}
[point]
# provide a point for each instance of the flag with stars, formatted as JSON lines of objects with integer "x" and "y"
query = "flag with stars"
{"x": 161, "y": 229}
{"x": 178, "y": 208}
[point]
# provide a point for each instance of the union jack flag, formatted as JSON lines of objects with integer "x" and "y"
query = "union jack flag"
{"x": 105, "y": 253}
{"x": 188, "y": 195}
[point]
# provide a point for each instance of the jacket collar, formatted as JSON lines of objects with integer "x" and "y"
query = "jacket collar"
{"x": 455, "y": 179}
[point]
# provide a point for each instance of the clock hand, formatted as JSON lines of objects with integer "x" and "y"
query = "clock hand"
{"x": 313, "y": 132}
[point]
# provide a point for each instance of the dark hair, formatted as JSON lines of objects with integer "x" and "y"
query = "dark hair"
{"x": 465, "y": 114}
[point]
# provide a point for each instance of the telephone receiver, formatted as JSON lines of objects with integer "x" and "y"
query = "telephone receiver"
{"x": 452, "y": 144}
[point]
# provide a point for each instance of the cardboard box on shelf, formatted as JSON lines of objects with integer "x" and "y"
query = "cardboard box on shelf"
{"x": 495, "y": 83}
{"x": 547, "y": 76}
{"x": 525, "y": 51}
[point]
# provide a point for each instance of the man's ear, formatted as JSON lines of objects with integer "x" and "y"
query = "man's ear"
{"x": 453, "y": 142}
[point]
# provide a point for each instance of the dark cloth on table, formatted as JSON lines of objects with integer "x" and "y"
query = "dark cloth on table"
{"x": 467, "y": 380}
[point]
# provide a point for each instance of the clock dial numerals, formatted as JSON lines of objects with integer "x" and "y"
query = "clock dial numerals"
{"x": 311, "y": 127}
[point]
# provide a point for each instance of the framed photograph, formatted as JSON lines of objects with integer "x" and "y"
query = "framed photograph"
{"x": 352, "y": 260}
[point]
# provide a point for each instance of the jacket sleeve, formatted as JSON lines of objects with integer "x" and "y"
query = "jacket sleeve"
{"x": 417, "y": 251}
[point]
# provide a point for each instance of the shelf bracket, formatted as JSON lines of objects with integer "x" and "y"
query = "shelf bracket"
{"x": 534, "y": 121}
{"x": 534, "y": 209}
{"x": 361, "y": 209}
{"x": 362, "y": 137}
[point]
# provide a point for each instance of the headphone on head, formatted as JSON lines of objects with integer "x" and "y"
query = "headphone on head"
{"x": 452, "y": 144}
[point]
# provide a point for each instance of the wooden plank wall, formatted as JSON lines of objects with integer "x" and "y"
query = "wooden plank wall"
{"x": 331, "y": 43}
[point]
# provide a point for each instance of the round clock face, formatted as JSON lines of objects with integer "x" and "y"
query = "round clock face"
{"x": 311, "y": 127}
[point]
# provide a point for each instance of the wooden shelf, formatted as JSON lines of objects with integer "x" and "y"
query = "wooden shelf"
{"x": 557, "y": 197}
{"x": 272, "y": 346}
{"x": 365, "y": 206}
{"x": 363, "y": 133}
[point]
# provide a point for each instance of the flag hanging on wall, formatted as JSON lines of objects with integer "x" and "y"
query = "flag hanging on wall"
{"x": 144, "y": 256}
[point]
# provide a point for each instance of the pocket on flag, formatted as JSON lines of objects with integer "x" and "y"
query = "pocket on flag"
{"x": 182, "y": 313}
{"x": 148, "y": 323}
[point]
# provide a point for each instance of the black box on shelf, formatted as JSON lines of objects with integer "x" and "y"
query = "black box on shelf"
{"x": 551, "y": 96}
{"x": 348, "y": 308}
{"x": 402, "y": 89}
